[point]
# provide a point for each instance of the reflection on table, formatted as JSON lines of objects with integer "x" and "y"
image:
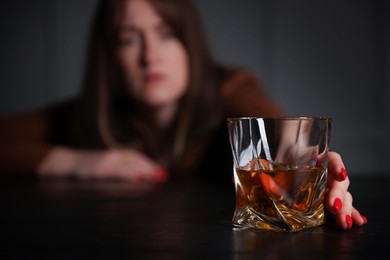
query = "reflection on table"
{"x": 190, "y": 220}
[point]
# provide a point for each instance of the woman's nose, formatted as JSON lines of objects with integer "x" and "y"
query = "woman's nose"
{"x": 150, "y": 52}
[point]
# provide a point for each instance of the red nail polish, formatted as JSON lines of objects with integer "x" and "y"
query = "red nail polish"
{"x": 364, "y": 218}
{"x": 348, "y": 219}
{"x": 139, "y": 178}
{"x": 337, "y": 205}
{"x": 343, "y": 173}
{"x": 161, "y": 175}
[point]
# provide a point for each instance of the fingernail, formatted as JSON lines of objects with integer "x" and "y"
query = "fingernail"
{"x": 139, "y": 178}
{"x": 364, "y": 218}
{"x": 343, "y": 174}
{"x": 348, "y": 219}
{"x": 337, "y": 205}
{"x": 161, "y": 174}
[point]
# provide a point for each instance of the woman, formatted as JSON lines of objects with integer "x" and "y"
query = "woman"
{"x": 153, "y": 107}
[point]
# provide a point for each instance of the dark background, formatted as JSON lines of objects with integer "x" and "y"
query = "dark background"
{"x": 316, "y": 58}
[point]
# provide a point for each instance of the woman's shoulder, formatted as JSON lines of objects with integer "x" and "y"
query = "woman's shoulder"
{"x": 38, "y": 124}
{"x": 235, "y": 73}
{"x": 243, "y": 94}
{"x": 234, "y": 78}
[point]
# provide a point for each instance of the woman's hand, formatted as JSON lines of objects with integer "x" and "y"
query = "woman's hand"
{"x": 113, "y": 164}
{"x": 339, "y": 199}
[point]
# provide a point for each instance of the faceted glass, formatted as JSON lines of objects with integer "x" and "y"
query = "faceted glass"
{"x": 280, "y": 171}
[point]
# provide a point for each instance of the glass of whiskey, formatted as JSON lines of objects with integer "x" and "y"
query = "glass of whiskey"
{"x": 280, "y": 171}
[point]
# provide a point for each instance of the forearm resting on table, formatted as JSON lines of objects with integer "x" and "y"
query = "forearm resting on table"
{"x": 58, "y": 163}
{"x": 31, "y": 160}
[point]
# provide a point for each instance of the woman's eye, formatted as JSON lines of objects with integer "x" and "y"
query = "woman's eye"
{"x": 129, "y": 40}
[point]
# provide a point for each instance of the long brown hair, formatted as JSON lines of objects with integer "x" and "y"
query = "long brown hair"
{"x": 106, "y": 110}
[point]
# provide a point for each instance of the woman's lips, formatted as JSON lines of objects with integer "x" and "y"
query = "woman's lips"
{"x": 153, "y": 78}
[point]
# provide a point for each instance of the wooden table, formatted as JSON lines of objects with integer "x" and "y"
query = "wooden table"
{"x": 72, "y": 220}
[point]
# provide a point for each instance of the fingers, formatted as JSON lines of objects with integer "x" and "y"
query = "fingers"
{"x": 336, "y": 167}
{"x": 131, "y": 166}
{"x": 336, "y": 195}
{"x": 339, "y": 201}
{"x": 138, "y": 168}
{"x": 140, "y": 176}
{"x": 357, "y": 218}
{"x": 343, "y": 218}
{"x": 349, "y": 215}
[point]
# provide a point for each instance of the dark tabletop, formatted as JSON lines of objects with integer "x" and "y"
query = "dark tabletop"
{"x": 71, "y": 220}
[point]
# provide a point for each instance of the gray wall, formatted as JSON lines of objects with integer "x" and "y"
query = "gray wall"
{"x": 320, "y": 58}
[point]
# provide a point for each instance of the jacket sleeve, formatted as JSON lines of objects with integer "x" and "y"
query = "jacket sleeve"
{"x": 244, "y": 95}
{"x": 25, "y": 139}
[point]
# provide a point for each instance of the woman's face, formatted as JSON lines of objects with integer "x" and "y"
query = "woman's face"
{"x": 154, "y": 61}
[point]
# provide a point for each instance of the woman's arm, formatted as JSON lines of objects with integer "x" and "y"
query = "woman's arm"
{"x": 37, "y": 144}
{"x": 23, "y": 142}
{"x": 108, "y": 164}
